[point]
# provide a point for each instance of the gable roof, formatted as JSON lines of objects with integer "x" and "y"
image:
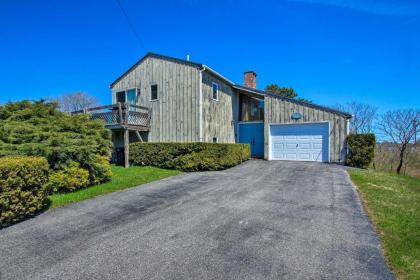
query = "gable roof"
{"x": 150, "y": 54}
{"x": 235, "y": 86}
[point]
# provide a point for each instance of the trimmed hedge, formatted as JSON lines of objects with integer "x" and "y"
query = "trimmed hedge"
{"x": 361, "y": 150}
{"x": 189, "y": 156}
{"x": 23, "y": 189}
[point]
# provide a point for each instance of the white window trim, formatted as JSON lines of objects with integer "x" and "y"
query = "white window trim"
{"x": 150, "y": 93}
{"x": 217, "y": 92}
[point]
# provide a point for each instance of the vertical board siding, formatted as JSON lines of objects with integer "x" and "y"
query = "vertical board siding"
{"x": 218, "y": 115}
{"x": 174, "y": 114}
{"x": 278, "y": 110}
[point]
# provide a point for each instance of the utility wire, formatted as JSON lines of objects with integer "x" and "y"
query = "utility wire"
{"x": 130, "y": 24}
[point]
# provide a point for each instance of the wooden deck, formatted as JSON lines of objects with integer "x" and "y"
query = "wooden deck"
{"x": 121, "y": 116}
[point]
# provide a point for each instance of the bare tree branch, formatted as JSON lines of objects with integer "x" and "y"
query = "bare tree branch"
{"x": 401, "y": 127}
{"x": 363, "y": 116}
{"x": 76, "y": 101}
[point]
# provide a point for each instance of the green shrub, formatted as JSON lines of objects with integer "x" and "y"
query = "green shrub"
{"x": 69, "y": 179}
{"x": 40, "y": 129}
{"x": 99, "y": 170}
{"x": 361, "y": 149}
{"x": 189, "y": 156}
{"x": 160, "y": 154}
{"x": 23, "y": 189}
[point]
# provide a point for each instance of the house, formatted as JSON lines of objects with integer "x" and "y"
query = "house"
{"x": 184, "y": 101}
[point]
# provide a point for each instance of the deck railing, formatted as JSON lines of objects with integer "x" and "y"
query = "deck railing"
{"x": 120, "y": 114}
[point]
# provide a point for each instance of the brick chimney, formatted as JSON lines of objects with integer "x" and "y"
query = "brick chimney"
{"x": 250, "y": 79}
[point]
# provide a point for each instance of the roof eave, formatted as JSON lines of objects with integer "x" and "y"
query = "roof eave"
{"x": 250, "y": 90}
{"x": 217, "y": 74}
{"x": 316, "y": 106}
{"x": 266, "y": 93}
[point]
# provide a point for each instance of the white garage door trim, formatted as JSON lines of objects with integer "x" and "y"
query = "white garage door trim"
{"x": 270, "y": 157}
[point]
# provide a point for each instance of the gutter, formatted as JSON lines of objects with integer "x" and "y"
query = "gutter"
{"x": 205, "y": 67}
{"x": 255, "y": 92}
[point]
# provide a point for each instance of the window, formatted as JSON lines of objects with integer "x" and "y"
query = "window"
{"x": 215, "y": 140}
{"x": 132, "y": 96}
{"x": 129, "y": 95}
{"x": 121, "y": 96}
{"x": 254, "y": 109}
{"x": 153, "y": 92}
{"x": 250, "y": 109}
{"x": 215, "y": 88}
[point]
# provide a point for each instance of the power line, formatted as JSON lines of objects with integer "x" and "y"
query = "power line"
{"x": 130, "y": 24}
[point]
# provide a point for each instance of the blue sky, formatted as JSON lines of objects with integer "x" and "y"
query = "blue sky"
{"x": 329, "y": 51}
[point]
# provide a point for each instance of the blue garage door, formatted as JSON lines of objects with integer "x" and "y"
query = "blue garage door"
{"x": 252, "y": 133}
{"x": 301, "y": 142}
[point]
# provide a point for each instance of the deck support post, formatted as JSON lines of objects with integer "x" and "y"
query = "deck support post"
{"x": 120, "y": 115}
{"x": 126, "y": 147}
{"x": 120, "y": 119}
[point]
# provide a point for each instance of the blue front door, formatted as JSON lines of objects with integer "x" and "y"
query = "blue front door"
{"x": 252, "y": 133}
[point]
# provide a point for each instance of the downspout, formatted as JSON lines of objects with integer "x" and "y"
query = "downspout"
{"x": 200, "y": 106}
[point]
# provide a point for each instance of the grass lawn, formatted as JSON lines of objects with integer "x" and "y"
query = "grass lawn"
{"x": 393, "y": 204}
{"x": 122, "y": 178}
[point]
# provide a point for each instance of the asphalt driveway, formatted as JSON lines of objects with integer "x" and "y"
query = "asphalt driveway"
{"x": 259, "y": 220}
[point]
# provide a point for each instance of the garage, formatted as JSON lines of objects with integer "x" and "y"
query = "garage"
{"x": 299, "y": 142}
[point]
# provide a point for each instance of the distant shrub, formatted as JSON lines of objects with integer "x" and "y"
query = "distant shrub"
{"x": 23, "y": 189}
{"x": 189, "y": 156}
{"x": 361, "y": 150}
{"x": 69, "y": 179}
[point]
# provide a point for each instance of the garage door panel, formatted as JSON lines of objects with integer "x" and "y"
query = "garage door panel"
{"x": 290, "y": 146}
{"x": 316, "y": 157}
{"x": 304, "y": 156}
{"x": 305, "y": 146}
{"x": 305, "y": 142}
{"x": 290, "y": 137}
{"x": 317, "y": 145}
{"x": 278, "y": 146}
{"x": 278, "y": 155}
{"x": 291, "y": 156}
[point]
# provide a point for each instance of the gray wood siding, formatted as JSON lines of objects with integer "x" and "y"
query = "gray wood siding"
{"x": 218, "y": 115}
{"x": 175, "y": 113}
{"x": 279, "y": 111}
